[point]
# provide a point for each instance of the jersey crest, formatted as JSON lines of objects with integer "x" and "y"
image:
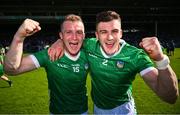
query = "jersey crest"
{"x": 120, "y": 64}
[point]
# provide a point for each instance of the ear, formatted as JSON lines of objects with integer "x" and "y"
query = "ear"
{"x": 96, "y": 33}
{"x": 84, "y": 35}
{"x": 121, "y": 33}
{"x": 60, "y": 35}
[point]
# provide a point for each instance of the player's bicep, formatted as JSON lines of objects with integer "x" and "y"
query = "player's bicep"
{"x": 27, "y": 64}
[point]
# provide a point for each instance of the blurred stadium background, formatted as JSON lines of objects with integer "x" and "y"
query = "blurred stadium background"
{"x": 140, "y": 18}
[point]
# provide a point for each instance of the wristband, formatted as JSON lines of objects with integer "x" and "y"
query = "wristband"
{"x": 163, "y": 64}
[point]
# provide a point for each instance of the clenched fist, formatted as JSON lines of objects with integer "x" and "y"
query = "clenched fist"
{"x": 152, "y": 46}
{"x": 28, "y": 28}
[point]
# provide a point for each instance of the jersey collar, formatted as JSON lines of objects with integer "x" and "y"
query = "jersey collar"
{"x": 73, "y": 58}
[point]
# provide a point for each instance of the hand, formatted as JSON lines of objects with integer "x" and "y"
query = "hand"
{"x": 28, "y": 28}
{"x": 56, "y": 51}
{"x": 152, "y": 46}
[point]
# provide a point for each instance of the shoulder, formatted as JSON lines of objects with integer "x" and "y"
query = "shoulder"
{"x": 90, "y": 44}
{"x": 42, "y": 56}
{"x": 90, "y": 40}
{"x": 132, "y": 49}
{"x": 136, "y": 55}
{"x": 41, "y": 53}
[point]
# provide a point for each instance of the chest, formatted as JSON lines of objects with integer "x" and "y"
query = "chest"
{"x": 65, "y": 70}
{"x": 119, "y": 69}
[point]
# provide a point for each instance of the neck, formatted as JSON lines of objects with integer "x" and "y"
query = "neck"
{"x": 72, "y": 57}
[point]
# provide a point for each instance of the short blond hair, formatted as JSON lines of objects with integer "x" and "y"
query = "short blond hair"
{"x": 71, "y": 17}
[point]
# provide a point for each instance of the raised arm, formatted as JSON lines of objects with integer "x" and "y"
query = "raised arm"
{"x": 14, "y": 63}
{"x": 162, "y": 80}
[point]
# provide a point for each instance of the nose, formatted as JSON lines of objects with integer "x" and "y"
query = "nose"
{"x": 110, "y": 37}
{"x": 74, "y": 36}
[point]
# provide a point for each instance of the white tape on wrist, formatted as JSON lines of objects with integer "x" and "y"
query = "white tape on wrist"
{"x": 162, "y": 64}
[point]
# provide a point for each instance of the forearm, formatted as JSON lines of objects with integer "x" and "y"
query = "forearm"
{"x": 167, "y": 87}
{"x": 14, "y": 54}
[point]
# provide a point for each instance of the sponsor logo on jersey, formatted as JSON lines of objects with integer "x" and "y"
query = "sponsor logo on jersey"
{"x": 92, "y": 55}
{"x": 120, "y": 64}
{"x": 75, "y": 64}
{"x": 62, "y": 65}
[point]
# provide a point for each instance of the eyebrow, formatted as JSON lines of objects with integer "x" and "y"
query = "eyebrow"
{"x": 102, "y": 30}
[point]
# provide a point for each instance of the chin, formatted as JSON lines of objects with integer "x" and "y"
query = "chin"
{"x": 74, "y": 52}
{"x": 110, "y": 52}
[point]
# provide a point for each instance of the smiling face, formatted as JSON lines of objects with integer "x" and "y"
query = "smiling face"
{"x": 109, "y": 34}
{"x": 72, "y": 34}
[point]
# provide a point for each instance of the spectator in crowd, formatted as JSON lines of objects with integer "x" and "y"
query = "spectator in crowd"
{"x": 171, "y": 47}
{"x": 167, "y": 49}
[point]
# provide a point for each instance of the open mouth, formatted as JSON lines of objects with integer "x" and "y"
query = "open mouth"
{"x": 109, "y": 45}
{"x": 73, "y": 45}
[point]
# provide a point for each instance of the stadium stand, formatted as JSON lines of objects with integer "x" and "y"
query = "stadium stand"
{"x": 149, "y": 18}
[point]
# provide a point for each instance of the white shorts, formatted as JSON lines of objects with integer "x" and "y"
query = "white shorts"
{"x": 127, "y": 108}
{"x": 85, "y": 113}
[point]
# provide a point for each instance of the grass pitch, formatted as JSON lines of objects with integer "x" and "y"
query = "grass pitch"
{"x": 29, "y": 94}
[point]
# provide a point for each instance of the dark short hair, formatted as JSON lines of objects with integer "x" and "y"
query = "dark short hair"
{"x": 107, "y": 16}
{"x": 71, "y": 17}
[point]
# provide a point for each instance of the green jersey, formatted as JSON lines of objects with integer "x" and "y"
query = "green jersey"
{"x": 1, "y": 65}
{"x": 66, "y": 82}
{"x": 112, "y": 76}
{"x": 1, "y": 70}
{"x": 1, "y": 59}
